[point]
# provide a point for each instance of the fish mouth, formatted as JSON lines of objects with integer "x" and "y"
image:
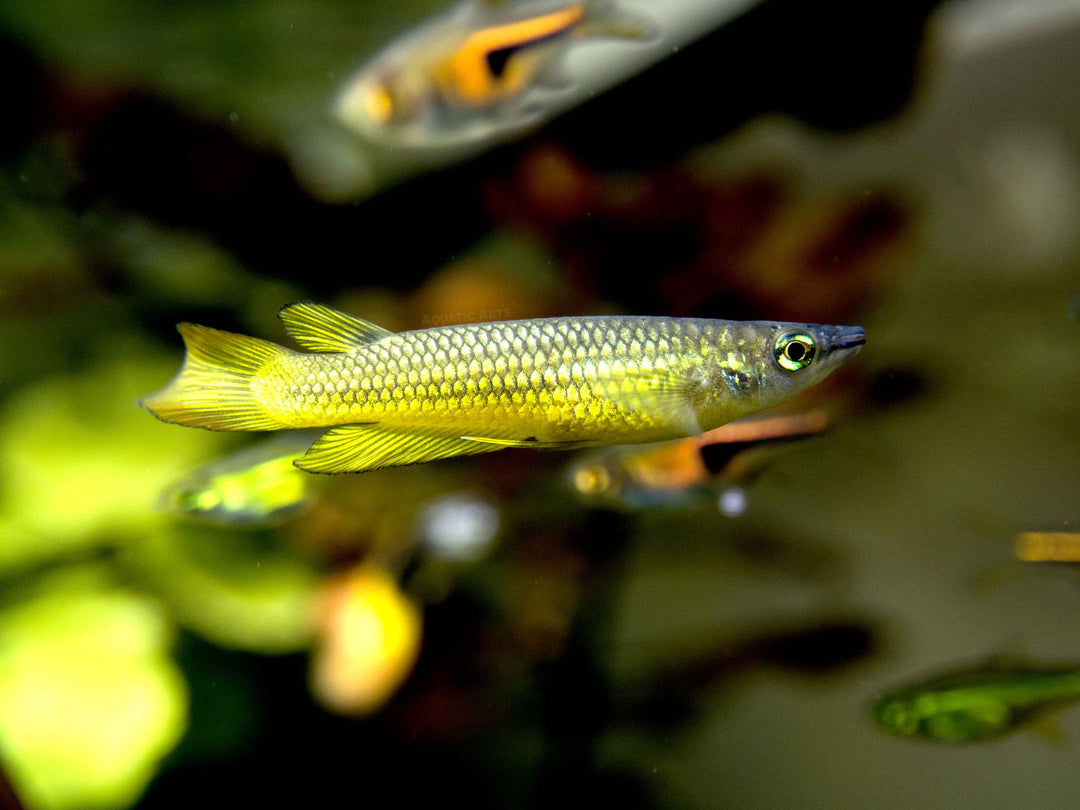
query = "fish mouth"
{"x": 848, "y": 337}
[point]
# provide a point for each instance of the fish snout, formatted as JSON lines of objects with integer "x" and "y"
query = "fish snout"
{"x": 845, "y": 337}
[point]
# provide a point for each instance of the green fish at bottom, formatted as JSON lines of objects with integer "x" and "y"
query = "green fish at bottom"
{"x": 410, "y": 397}
{"x": 976, "y": 704}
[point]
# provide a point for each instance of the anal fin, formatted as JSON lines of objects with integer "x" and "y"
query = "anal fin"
{"x": 359, "y": 448}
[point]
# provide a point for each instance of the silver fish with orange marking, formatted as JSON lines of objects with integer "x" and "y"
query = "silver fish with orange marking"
{"x": 472, "y": 69}
{"x": 677, "y": 472}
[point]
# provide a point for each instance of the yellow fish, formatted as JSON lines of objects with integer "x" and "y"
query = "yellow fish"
{"x": 412, "y": 397}
{"x": 476, "y": 59}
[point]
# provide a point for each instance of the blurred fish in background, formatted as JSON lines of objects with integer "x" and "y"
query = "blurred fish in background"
{"x": 977, "y": 703}
{"x": 256, "y": 486}
{"x": 481, "y": 74}
{"x": 470, "y": 73}
{"x": 675, "y": 473}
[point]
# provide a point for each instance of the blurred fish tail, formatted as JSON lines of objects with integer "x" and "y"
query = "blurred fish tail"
{"x": 213, "y": 388}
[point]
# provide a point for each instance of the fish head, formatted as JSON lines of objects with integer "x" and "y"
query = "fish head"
{"x": 899, "y": 716}
{"x": 794, "y": 357}
{"x": 264, "y": 495}
{"x": 759, "y": 364}
{"x": 192, "y": 497}
{"x": 379, "y": 100}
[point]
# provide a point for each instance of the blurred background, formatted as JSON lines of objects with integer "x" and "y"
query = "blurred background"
{"x": 182, "y": 619}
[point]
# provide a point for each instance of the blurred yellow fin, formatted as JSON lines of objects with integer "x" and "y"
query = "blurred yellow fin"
{"x": 359, "y": 448}
{"x": 213, "y": 387}
{"x": 318, "y": 328}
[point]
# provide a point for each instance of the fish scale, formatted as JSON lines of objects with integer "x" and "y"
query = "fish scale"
{"x": 391, "y": 399}
{"x": 507, "y": 374}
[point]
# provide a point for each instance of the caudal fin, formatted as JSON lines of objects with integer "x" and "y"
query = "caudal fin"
{"x": 213, "y": 388}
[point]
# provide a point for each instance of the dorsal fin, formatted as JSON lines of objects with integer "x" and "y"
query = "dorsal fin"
{"x": 319, "y": 328}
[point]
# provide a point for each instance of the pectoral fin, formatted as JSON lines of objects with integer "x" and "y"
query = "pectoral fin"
{"x": 664, "y": 395}
{"x": 359, "y": 448}
{"x": 321, "y": 329}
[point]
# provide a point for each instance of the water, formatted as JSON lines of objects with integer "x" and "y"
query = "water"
{"x": 692, "y": 655}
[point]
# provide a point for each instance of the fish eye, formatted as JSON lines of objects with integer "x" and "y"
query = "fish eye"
{"x": 900, "y": 718}
{"x": 795, "y": 351}
{"x": 187, "y": 499}
{"x": 379, "y": 103}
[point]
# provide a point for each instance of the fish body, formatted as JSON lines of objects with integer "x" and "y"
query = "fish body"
{"x": 417, "y": 396}
{"x": 472, "y": 68}
{"x": 254, "y": 487}
{"x": 976, "y": 704}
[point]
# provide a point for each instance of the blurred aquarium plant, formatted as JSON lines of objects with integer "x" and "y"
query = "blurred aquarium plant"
{"x": 368, "y": 642}
{"x": 98, "y": 580}
{"x": 91, "y": 699}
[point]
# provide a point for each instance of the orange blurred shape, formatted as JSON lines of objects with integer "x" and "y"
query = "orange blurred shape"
{"x": 369, "y": 640}
{"x": 771, "y": 427}
{"x": 473, "y": 290}
{"x": 679, "y": 464}
{"x": 556, "y": 185}
{"x": 822, "y": 259}
{"x": 1048, "y": 546}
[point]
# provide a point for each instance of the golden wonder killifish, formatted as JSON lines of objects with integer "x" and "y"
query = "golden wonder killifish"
{"x": 410, "y": 397}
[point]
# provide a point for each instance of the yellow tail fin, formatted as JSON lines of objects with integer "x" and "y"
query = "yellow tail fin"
{"x": 213, "y": 387}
